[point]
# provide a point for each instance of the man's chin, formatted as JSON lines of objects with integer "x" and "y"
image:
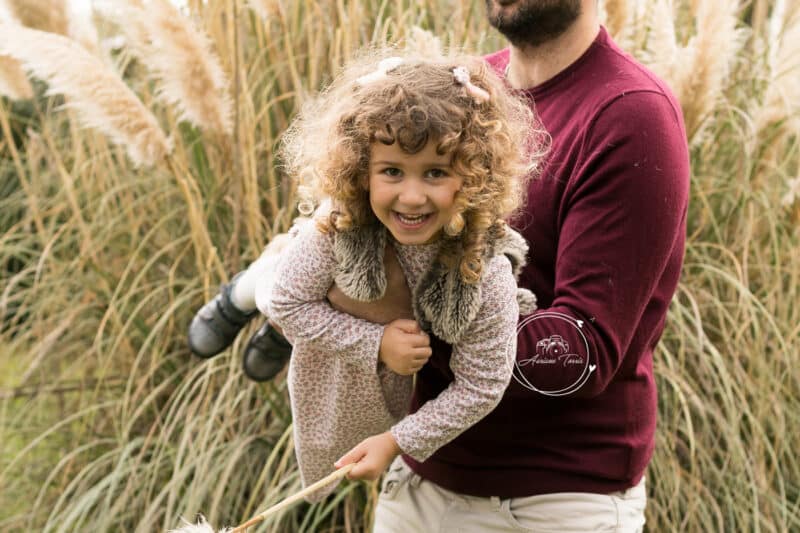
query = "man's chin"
{"x": 529, "y": 23}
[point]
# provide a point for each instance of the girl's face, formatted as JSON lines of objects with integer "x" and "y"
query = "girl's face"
{"x": 413, "y": 195}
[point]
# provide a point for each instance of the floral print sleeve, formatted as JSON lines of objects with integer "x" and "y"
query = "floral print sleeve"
{"x": 299, "y": 305}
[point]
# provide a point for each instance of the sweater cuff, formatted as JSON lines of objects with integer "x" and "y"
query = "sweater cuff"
{"x": 408, "y": 444}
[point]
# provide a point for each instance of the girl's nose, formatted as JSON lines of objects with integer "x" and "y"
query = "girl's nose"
{"x": 412, "y": 194}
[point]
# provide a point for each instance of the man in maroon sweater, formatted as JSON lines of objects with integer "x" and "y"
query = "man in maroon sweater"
{"x": 568, "y": 446}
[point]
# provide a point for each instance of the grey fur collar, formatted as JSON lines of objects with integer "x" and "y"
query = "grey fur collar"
{"x": 443, "y": 304}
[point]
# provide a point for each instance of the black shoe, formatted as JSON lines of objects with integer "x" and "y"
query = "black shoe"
{"x": 216, "y": 324}
{"x": 266, "y": 354}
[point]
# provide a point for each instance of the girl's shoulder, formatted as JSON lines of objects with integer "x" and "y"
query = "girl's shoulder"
{"x": 512, "y": 246}
{"x": 498, "y": 283}
{"x": 502, "y": 269}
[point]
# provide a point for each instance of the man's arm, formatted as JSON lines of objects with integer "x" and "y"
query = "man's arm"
{"x": 620, "y": 246}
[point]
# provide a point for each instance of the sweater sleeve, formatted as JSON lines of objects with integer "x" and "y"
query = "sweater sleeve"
{"x": 299, "y": 305}
{"x": 482, "y": 366}
{"x": 620, "y": 230}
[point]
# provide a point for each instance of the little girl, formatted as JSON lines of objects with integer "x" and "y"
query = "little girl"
{"x": 428, "y": 157}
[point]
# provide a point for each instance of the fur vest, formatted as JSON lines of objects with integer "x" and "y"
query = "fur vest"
{"x": 443, "y": 304}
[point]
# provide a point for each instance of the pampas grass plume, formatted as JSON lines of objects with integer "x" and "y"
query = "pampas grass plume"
{"x": 182, "y": 59}
{"x": 63, "y": 17}
{"x": 716, "y": 46}
{"x": 423, "y": 42}
{"x": 13, "y": 82}
{"x": 697, "y": 71}
{"x": 202, "y": 526}
{"x": 617, "y": 16}
{"x": 782, "y": 95}
{"x": 47, "y": 15}
{"x": 96, "y": 93}
{"x": 82, "y": 28}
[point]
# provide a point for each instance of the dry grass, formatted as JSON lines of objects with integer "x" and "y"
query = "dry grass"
{"x": 108, "y": 424}
{"x": 99, "y": 96}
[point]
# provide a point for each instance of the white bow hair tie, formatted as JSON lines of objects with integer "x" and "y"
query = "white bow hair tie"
{"x": 461, "y": 74}
{"x": 385, "y": 66}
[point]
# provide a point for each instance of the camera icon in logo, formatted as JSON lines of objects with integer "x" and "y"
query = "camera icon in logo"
{"x": 553, "y": 346}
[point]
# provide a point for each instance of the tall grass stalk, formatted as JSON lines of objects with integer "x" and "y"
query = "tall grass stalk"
{"x": 107, "y": 423}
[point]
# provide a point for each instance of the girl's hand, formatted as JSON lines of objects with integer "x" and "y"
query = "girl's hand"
{"x": 373, "y": 455}
{"x": 405, "y": 348}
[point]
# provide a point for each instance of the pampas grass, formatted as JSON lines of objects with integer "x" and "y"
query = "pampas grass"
{"x": 51, "y": 16}
{"x": 202, "y": 526}
{"x": 82, "y": 28}
{"x": 182, "y": 60}
{"x": 781, "y": 104}
{"x": 99, "y": 97}
{"x": 13, "y": 82}
{"x": 63, "y": 17}
{"x": 616, "y": 17}
{"x": 697, "y": 70}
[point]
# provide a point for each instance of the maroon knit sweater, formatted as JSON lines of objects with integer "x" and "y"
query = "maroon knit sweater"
{"x": 606, "y": 222}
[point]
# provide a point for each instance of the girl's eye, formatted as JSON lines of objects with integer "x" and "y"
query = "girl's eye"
{"x": 437, "y": 173}
{"x": 393, "y": 172}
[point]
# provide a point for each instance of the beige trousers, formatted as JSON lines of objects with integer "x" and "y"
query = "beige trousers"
{"x": 409, "y": 503}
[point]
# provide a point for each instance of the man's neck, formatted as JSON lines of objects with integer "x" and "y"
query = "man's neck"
{"x": 532, "y": 66}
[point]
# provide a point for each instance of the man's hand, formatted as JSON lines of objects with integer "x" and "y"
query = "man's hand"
{"x": 396, "y": 303}
{"x": 405, "y": 348}
{"x": 373, "y": 455}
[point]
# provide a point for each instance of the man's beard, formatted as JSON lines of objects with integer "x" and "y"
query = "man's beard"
{"x": 535, "y": 21}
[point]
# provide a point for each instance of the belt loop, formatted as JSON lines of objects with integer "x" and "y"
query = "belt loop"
{"x": 496, "y": 503}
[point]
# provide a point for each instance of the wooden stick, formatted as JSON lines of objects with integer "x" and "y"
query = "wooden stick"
{"x": 334, "y": 476}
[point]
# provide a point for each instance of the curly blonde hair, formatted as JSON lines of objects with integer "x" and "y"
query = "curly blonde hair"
{"x": 496, "y": 144}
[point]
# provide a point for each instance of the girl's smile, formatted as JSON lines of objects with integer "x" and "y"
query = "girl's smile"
{"x": 413, "y": 195}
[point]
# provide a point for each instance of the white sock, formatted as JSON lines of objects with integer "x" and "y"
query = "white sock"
{"x": 243, "y": 293}
{"x": 255, "y": 283}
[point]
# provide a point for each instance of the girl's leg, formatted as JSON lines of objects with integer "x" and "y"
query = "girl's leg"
{"x": 246, "y": 283}
{"x": 267, "y": 351}
{"x": 218, "y": 322}
{"x": 215, "y": 325}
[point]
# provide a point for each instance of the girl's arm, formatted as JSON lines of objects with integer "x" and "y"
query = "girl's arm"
{"x": 298, "y": 304}
{"x": 482, "y": 364}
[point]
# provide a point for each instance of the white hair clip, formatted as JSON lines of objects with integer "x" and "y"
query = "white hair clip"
{"x": 461, "y": 74}
{"x": 385, "y": 66}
